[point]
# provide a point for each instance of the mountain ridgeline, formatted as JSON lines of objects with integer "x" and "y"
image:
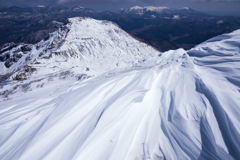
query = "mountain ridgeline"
{"x": 184, "y": 27}
{"x": 83, "y": 46}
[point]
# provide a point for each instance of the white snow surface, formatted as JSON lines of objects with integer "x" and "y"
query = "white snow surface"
{"x": 83, "y": 43}
{"x": 148, "y": 8}
{"x": 179, "y": 105}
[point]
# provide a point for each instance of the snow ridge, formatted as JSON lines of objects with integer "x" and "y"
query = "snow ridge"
{"x": 83, "y": 44}
{"x": 179, "y": 105}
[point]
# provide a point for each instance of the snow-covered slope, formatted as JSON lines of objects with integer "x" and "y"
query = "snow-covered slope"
{"x": 180, "y": 105}
{"x": 84, "y": 45}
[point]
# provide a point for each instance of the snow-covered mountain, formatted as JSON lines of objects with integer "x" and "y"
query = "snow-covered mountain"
{"x": 179, "y": 105}
{"x": 159, "y": 12}
{"x": 140, "y": 10}
{"x": 84, "y": 45}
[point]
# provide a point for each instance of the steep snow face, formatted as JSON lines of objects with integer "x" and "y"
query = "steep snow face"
{"x": 180, "y": 105}
{"x": 84, "y": 45}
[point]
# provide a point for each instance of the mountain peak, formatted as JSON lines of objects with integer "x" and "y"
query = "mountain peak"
{"x": 186, "y": 8}
{"x": 148, "y": 8}
{"x": 82, "y": 43}
{"x": 136, "y": 8}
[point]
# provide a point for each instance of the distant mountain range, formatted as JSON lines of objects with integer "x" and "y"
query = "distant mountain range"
{"x": 184, "y": 27}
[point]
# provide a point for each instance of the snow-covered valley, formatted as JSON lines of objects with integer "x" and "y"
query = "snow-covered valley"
{"x": 175, "y": 105}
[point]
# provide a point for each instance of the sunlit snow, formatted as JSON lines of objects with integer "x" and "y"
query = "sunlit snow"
{"x": 179, "y": 105}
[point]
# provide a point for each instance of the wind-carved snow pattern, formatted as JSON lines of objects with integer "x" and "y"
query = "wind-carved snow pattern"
{"x": 179, "y": 105}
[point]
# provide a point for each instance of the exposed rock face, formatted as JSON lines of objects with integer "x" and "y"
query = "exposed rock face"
{"x": 26, "y": 48}
{"x": 11, "y": 53}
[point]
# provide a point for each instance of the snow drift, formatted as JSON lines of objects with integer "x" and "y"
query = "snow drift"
{"x": 180, "y": 105}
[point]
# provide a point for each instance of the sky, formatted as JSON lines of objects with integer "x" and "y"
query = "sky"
{"x": 215, "y": 7}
